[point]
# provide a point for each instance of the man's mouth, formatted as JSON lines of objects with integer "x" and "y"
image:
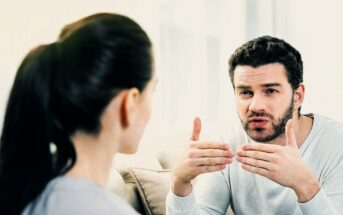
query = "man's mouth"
{"x": 258, "y": 122}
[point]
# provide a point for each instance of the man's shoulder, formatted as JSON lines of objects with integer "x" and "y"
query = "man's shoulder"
{"x": 326, "y": 138}
{"x": 328, "y": 127}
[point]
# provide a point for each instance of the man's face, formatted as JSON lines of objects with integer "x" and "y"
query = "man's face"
{"x": 264, "y": 100}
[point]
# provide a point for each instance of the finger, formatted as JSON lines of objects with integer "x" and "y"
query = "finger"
{"x": 256, "y": 155}
{"x": 290, "y": 135}
{"x": 198, "y": 153}
{"x": 206, "y": 169}
{"x": 210, "y": 145}
{"x": 255, "y": 163}
{"x": 256, "y": 170}
{"x": 263, "y": 147}
{"x": 196, "y": 129}
{"x": 206, "y": 161}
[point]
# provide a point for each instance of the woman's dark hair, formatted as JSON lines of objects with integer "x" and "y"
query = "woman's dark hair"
{"x": 62, "y": 88}
{"x": 264, "y": 50}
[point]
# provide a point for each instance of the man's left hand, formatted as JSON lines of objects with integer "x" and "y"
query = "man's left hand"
{"x": 281, "y": 164}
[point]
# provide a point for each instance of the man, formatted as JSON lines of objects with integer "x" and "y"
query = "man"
{"x": 285, "y": 163}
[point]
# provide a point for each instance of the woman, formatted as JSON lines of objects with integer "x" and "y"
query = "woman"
{"x": 75, "y": 103}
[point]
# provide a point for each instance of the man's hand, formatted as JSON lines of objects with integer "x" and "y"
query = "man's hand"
{"x": 281, "y": 164}
{"x": 202, "y": 157}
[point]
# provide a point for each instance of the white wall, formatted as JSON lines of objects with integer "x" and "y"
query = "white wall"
{"x": 26, "y": 24}
{"x": 317, "y": 30}
{"x": 193, "y": 40}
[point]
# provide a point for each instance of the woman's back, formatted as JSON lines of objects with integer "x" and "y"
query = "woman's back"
{"x": 67, "y": 195}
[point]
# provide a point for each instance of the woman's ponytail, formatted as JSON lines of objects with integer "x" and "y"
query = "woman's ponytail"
{"x": 26, "y": 161}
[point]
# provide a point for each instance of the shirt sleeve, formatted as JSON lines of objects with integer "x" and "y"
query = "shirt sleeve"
{"x": 211, "y": 196}
{"x": 329, "y": 200}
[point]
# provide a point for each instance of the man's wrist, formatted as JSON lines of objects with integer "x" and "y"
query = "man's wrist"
{"x": 181, "y": 188}
{"x": 307, "y": 190}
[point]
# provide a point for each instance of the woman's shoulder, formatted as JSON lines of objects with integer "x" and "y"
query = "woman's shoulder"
{"x": 66, "y": 195}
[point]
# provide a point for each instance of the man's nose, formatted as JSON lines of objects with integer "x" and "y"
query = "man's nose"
{"x": 257, "y": 104}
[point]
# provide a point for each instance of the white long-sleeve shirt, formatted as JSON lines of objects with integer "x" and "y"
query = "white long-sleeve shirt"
{"x": 249, "y": 193}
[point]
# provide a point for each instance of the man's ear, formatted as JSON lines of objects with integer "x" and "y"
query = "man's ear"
{"x": 128, "y": 107}
{"x": 299, "y": 95}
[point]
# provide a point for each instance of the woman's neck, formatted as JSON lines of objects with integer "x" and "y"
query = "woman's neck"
{"x": 93, "y": 158}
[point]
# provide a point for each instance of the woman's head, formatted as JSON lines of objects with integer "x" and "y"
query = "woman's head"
{"x": 102, "y": 55}
{"x": 100, "y": 62}
{"x": 117, "y": 55}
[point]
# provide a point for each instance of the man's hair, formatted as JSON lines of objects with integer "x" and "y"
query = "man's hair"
{"x": 265, "y": 50}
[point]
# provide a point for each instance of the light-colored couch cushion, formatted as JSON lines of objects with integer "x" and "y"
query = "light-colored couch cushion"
{"x": 153, "y": 186}
{"x": 121, "y": 181}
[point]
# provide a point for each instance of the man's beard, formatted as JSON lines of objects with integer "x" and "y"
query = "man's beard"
{"x": 278, "y": 128}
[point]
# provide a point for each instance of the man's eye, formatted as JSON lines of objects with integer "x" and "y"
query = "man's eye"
{"x": 271, "y": 91}
{"x": 246, "y": 93}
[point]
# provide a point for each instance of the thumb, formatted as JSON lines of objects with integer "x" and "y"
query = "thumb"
{"x": 196, "y": 129}
{"x": 290, "y": 135}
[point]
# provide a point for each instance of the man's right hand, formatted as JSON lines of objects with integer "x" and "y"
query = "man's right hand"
{"x": 202, "y": 157}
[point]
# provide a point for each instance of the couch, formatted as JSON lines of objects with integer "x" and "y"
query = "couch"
{"x": 143, "y": 179}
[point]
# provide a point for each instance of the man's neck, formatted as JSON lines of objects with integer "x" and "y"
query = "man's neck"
{"x": 303, "y": 128}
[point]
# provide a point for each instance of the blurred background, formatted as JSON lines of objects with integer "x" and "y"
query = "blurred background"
{"x": 193, "y": 40}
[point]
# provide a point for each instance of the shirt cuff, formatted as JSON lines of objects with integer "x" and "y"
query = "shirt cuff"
{"x": 179, "y": 203}
{"x": 319, "y": 204}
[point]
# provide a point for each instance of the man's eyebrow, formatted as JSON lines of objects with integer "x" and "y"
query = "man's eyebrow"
{"x": 271, "y": 85}
{"x": 246, "y": 87}
{"x": 243, "y": 87}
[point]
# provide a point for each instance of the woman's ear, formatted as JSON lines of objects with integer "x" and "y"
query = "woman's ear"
{"x": 129, "y": 106}
{"x": 299, "y": 95}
